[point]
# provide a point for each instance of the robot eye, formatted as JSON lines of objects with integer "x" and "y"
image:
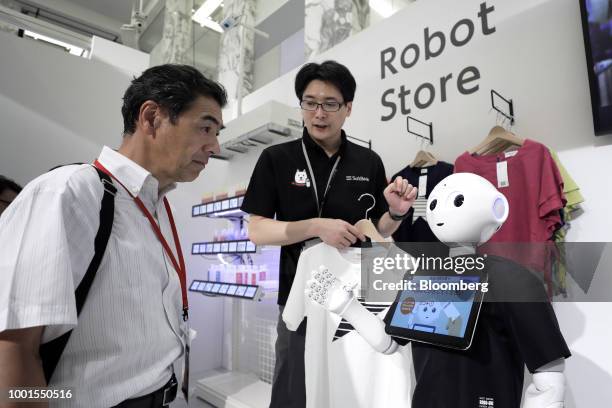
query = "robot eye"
{"x": 433, "y": 310}
{"x": 459, "y": 200}
{"x": 433, "y": 204}
{"x": 425, "y": 309}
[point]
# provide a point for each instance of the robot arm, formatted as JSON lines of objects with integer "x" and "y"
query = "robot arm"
{"x": 548, "y": 387}
{"x": 326, "y": 290}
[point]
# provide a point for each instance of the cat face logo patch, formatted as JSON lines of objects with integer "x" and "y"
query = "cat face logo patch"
{"x": 301, "y": 179}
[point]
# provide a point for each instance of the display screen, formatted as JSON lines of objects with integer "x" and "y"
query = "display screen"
{"x": 597, "y": 30}
{"x": 250, "y": 292}
{"x": 441, "y": 312}
{"x": 223, "y": 288}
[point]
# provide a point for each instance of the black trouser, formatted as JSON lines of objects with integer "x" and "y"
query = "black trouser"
{"x": 157, "y": 399}
{"x": 289, "y": 387}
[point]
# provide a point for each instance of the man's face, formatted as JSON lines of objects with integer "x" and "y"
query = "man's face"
{"x": 6, "y": 197}
{"x": 182, "y": 149}
{"x": 321, "y": 125}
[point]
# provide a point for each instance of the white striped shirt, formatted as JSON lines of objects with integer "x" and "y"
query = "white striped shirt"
{"x": 130, "y": 331}
{"x": 341, "y": 369}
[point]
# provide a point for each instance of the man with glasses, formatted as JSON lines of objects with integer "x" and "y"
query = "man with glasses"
{"x": 8, "y": 191}
{"x": 309, "y": 189}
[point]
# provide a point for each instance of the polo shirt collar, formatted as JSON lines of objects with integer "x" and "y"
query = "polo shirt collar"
{"x": 134, "y": 177}
{"x": 313, "y": 146}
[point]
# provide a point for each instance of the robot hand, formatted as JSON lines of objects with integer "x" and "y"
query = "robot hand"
{"x": 328, "y": 291}
{"x": 546, "y": 391}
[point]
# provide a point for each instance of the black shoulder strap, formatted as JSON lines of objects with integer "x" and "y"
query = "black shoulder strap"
{"x": 51, "y": 352}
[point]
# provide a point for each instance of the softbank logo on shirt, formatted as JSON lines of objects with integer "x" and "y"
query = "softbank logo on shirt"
{"x": 485, "y": 402}
{"x": 357, "y": 178}
{"x": 301, "y": 179}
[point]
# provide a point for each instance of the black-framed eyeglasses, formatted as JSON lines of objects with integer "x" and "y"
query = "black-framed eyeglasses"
{"x": 331, "y": 106}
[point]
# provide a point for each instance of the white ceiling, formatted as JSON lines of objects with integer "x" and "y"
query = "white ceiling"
{"x": 109, "y": 15}
{"x": 119, "y": 10}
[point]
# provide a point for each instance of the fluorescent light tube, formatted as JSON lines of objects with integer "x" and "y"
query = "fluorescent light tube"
{"x": 205, "y": 11}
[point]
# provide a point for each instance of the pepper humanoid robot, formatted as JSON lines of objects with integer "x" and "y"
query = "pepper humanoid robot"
{"x": 464, "y": 211}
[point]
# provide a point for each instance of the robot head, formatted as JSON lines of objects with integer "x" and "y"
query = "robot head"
{"x": 465, "y": 209}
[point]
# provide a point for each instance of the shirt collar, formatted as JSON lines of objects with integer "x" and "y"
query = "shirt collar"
{"x": 313, "y": 146}
{"x": 134, "y": 177}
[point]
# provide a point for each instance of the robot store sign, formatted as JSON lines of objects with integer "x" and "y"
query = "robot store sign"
{"x": 393, "y": 60}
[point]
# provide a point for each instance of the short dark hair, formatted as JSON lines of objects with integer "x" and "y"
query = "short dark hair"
{"x": 328, "y": 71}
{"x": 174, "y": 87}
{"x": 8, "y": 184}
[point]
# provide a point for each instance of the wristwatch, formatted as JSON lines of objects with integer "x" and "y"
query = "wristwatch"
{"x": 398, "y": 217}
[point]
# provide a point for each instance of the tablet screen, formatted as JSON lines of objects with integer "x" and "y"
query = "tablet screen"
{"x": 438, "y": 309}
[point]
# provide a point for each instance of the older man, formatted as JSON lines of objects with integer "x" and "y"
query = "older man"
{"x": 131, "y": 330}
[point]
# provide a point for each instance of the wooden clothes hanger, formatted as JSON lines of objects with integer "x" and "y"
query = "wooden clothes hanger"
{"x": 424, "y": 159}
{"x": 498, "y": 140}
{"x": 365, "y": 225}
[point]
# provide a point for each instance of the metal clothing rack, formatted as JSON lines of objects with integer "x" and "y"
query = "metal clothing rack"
{"x": 367, "y": 142}
{"x": 509, "y": 102}
{"x": 429, "y": 138}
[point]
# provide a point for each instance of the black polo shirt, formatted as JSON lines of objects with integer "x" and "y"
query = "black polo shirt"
{"x": 281, "y": 186}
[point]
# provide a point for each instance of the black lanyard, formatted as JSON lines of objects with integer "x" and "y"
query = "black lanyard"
{"x": 314, "y": 182}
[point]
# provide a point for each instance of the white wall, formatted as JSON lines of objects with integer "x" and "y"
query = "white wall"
{"x": 266, "y": 68}
{"x": 265, "y": 8}
{"x": 128, "y": 60}
{"x": 55, "y": 108}
{"x": 536, "y": 57}
{"x": 586, "y": 326}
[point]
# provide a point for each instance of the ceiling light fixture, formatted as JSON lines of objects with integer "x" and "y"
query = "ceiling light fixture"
{"x": 202, "y": 15}
{"x": 382, "y": 7}
{"x": 72, "y": 49}
{"x": 213, "y": 25}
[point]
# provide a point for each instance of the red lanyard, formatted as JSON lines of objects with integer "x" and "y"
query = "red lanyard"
{"x": 178, "y": 266}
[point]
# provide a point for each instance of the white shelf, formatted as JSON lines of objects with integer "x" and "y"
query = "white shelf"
{"x": 234, "y": 390}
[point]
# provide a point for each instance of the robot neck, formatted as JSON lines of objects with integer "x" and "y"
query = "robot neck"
{"x": 462, "y": 249}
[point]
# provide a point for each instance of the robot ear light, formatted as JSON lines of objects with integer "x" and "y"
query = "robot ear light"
{"x": 501, "y": 209}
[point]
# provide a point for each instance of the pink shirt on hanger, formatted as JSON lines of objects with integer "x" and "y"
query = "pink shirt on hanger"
{"x": 535, "y": 196}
